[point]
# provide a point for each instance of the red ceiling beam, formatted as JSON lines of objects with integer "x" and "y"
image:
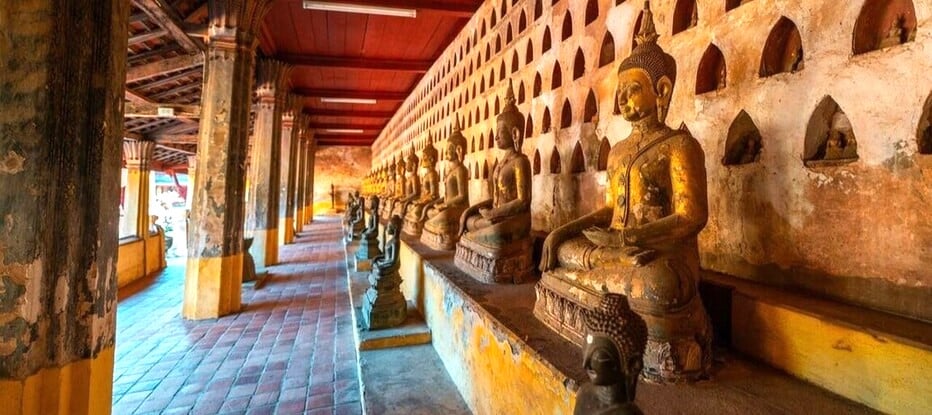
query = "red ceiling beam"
{"x": 345, "y": 126}
{"x": 355, "y": 94}
{"x": 349, "y": 113}
{"x": 462, "y": 9}
{"x": 345, "y": 62}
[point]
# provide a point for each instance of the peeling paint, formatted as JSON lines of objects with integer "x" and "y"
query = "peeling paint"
{"x": 12, "y": 163}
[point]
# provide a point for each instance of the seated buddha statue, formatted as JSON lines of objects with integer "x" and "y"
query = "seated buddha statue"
{"x": 369, "y": 238}
{"x": 411, "y": 189}
{"x": 430, "y": 191}
{"x": 643, "y": 244}
{"x": 441, "y": 231}
{"x": 397, "y": 190}
{"x": 384, "y": 305}
{"x": 495, "y": 243}
{"x": 613, "y": 356}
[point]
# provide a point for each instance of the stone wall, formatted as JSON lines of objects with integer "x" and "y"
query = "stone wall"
{"x": 344, "y": 167}
{"x": 859, "y": 231}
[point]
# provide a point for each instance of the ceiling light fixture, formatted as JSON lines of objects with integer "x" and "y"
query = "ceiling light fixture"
{"x": 358, "y": 8}
{"x": 343, "y": 131}
{"x": 363, "y": 101}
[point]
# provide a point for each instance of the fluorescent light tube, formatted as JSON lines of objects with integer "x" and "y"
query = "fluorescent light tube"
{"x": 357, "y": 8}
{"x": 362, "y": 101}
{"x": 343, "y": 131}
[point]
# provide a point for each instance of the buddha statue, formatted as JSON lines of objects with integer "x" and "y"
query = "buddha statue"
{"x": 495, "y": 243}
{"x": 384, "y": 305}
{"x": 412, "y": 185}
{"x": 840, "y": 143}
{"x": 643, "y": 244}
{"x": 369, "y": 238}
{"x": 613, "y": 356}
{"x": 355, "y": 223}
{"x": 398, "y": 190}
{"x": 441, "y": 231}
{"x": 430, "y": 191}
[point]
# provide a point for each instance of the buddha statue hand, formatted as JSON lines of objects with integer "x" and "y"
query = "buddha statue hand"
{"x": 605, "y": 237}
{"x": 548, "y": 255}
{"x": 489, "y": 215}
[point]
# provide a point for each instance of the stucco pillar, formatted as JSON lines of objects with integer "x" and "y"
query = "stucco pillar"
{"x": 299, "y": 183}
{"x": 192, "y": 173}
{"x": 262, "y": 211}
{"x": 309, "y": 180}
{"x": 61, "y": 131}
{"x": 138, "y": 156}
{"x": 214, "y": 273}
{"x": 286, "y": 185}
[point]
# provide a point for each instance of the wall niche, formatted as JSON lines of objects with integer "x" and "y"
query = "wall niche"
{"x": 555, "y": 164}
{"x": 924, "y": 134}
{"x": 712, "y": 73}
{"x": 578, "y": 161}
{"x": 744, "y": 142}
{"x": 536, "y": 167}
{"x": 607, "y": 54}
{"x": 566, "y": 115}
{"x": 685, "y": 15}
{"x": 830, "y": 139}
{"x": 733, "y": 4}
{"x": 783, "y": 51}
{"x": 604, "y": 149}
{"x": 883, "y": 24}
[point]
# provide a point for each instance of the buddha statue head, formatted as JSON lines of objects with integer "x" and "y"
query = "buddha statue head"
{"x": 456, "y": 145}
{"x": 615, "y": 342}
{"x": 646, "y": 77}
{"x": 509, "y": 123}
{"x": 429, "y": 154}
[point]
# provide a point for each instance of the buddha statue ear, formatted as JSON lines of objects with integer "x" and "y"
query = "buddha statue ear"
{"x": 518, "y": 138}
{"x": 664, "y": 96}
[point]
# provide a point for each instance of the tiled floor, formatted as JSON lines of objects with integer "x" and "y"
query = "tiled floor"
{"x": 290, "y": 351}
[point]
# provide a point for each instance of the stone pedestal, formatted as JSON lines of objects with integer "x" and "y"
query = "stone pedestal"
{"x": 413, "y": 226}
{"x": 511, "y": 264}
{"x": 384, "y": 305}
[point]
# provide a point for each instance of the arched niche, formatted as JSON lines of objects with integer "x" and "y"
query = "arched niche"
{"x": 744, "y": 141}
{"x": 504, "y": 8}
{"x": 566, "y": 115}
{"x": 501, "y": 71}
{"x": 712, "y": 73}
{"x": 529, "y": 53}
{"x": 607, "y": 53}
{"x": 884, "y": 23}
{"x": 579, "y": 65}
{"x": 578, "y": 161}
{"x": 537, "y": 85}
{"x": 514, "y": 62}
{"x": 555, "y": 163}
{"x": 685, "y": 15}
{"x": 783, "y": 51}
{"x": 604, "y": 149}
{"x": 477, "y": 172}
{"x": 485, "y": 112}
{"x": 685, "y": 128}
{"x": 545, "y": 123}
{"x": 509, "y": 36}
{"x": 481, "y": 142}
{"x": 488, "y": 52}
{"x": 545, "y": 43}
{"x": 521, "y": 94}
{"x": 536, "y": 167}
{"x": 485, "y": 170}
{"x": 830, "y": 138}
{"x": 483, "y": 30}
{"x": 592, "y": 108}
{"x": 924, "y": 133}
{"x": 522, "y": 22}
{"x": 491, "y": 140}
{"x": 538, "y": 9}
{"x": 493, "y": 21}
{"x": 592, "y": 11}
{"x": 733, "y": 4}
{"x": 498, "y": 106}
{"x": 529, "y": 127}
{"x": 567, "y": 30}
{"x": 556, "y": 79}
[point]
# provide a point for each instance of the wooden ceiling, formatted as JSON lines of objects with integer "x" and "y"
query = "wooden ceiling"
{"x": 335, "y": 55}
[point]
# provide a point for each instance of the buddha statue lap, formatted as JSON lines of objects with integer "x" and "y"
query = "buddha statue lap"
{"x": 430, "y": 192}
{"x": 495, "y": 244}
{"x": 441, "y": 230}
{"x": 384, "y": 305}
{"x": 613, "y": 356}
{"x": 644, "y": 243}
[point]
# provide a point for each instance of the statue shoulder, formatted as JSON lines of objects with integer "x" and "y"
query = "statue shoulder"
{"x": 684, "y": 141}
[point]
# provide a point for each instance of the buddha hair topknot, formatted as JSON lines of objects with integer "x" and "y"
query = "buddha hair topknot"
{"x": 648, "y": 55}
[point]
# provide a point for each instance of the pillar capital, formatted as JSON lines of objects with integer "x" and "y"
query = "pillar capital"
{"x": 138, "y": 154}
{"x": 272, "y": 78}
{"x": 236, "y": 22}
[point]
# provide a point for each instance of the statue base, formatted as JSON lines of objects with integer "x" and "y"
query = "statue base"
{"x": 382, "y": 310}
{"x": 412, "y": 227}
{"x": 362, "y": 265}
{"x": 368, "y": 250}
{"x": 679, "y": 345}
{"x": 511, "y": 264}
{"x": 439, "y": 241}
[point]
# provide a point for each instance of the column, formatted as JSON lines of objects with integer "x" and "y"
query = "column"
{"x": 138, "y": 156}
{"x": 309, "y": 180}
{"x": 262, "y": 209}
{"x": 290, "y": 132}
{"x": 299, "y": 183}
{"x": 60, "y": 156}
{"x": 214, "y": 273}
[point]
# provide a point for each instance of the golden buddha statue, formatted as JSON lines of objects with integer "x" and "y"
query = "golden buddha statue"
{"x": 495, "y": 243}
{"x": 430, "y": 191}
{"x": 441, "y": 231}
{"x": 411, "y": 189}
{"x": 397, "y": 190}
{"x": 644, "y": 243}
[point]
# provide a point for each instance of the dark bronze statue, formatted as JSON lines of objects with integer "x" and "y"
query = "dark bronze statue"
{"x": 369, "y": 239}
{"x": 384, "y": 305}
{"x": 643, "y": 244}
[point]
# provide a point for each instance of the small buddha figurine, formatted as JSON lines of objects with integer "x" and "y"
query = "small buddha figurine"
{"x": 384, "y": 305}
{"x": 495, "y": 243}
{"x": 369, "y": 238}
{"x": 441, "y": 231}
{"x": 613, "y": 357}
{"x": 840, "y": 143}
{"x": 643, "y": 244}
{"x": 430, "y": 191}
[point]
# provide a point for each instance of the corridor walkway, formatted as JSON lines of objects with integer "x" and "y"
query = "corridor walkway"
{"x": 290, "y": 351}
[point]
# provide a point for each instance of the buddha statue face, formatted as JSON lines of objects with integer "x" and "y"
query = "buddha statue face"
{"x": 505, "y": 134}
{"x": 638, "y": 97}
{"x": 601, "y": 361}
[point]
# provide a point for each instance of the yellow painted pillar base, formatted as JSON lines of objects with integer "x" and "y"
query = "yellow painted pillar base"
{"x": 212, "y": 287}
{"x": 299, "y": 220}
{"x": 264, "y": 248}
{"x": 286, "y": 231}
{"x": 84, "y": 387}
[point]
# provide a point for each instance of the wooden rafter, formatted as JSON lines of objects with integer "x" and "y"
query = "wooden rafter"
{"x": 167, "y": 18}
{"x": 465, "y": 9}
{"x": 349, "y": 113}
{"x": 345, "y": 126}
{"x": 177, "y": 90}
{"x": 163, "y": 66}
{"x": 345, "y": 62}
{"x": 356, "y": 94}
{"x": 136, "y": 110}
{"x": 154, "y": 53}
{"x": 147, "y": 36}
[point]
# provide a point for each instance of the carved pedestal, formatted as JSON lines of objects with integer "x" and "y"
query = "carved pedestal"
{"x": 504, "y": 265}
{"x": 354, "y": 230}
{"x": 679, "y": 345}
{"x": 384, "y": 305}
{"x": 439, "y": 241}
{"x": 413, "y": 226}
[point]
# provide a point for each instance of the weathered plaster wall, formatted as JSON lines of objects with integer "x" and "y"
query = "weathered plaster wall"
{"x": 342, "y": 166}
{"x": 857, "y": 232}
